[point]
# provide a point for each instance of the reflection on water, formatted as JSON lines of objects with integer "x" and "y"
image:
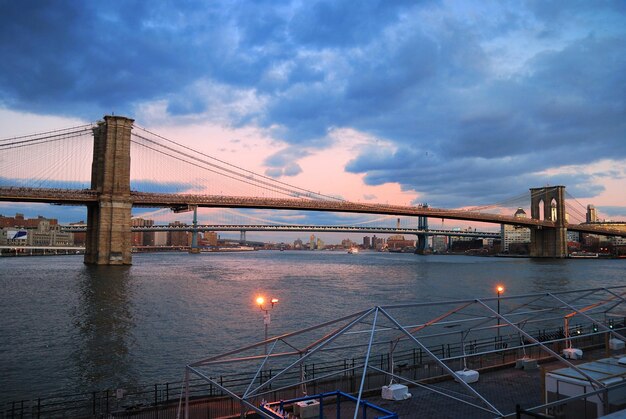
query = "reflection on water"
{"x": 104, "y": 321}
{"x": 67, "y": 327}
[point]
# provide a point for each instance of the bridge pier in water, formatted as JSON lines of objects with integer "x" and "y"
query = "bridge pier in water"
{"x": 422, "y": 239}
{"x": 108, "y": 239}
{"x": 550, "y": 242}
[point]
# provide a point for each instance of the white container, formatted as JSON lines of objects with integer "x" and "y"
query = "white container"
{"x": 526, "y": 364}
{"x": 395, "y": 392}
{"x": 616, "y": 344}
{"x": 468, "y": 376}
{"x": 307, "y": 409}
{"x": 572, "y": 353}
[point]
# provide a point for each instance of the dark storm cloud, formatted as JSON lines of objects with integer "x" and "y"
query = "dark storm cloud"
{"x": 424, "y": 77}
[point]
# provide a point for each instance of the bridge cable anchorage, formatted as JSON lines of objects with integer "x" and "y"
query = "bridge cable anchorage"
{"x": 296, "y": 189}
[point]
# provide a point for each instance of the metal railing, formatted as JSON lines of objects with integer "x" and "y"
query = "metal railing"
{"x": 413, "y": 363}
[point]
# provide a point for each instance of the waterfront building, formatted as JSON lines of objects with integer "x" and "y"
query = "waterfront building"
{"x": 210, "y": 237}
{"x": 48, "y": 234}
{"x": 440, "y": 243}
{"x": 378, "y": 243}
{"x": 573, "y": 237}
{"x": 398, "y": 241}
{"x": 346, "y": 243}
{"x": 80, "y": 237}
{"x": 20, "y": 222}
{"x": 320, "y": 244}
{"x": 160, "y": 238}
{"x": 297, "y": 244}
{"x": 39, "y": 231}
{"x": 140, "y": 238}
{"x": 179, "y": 238}
{"x": 312, "y": 242}
{"x": 366, "y": 242}
{"x": 517, "y": 236}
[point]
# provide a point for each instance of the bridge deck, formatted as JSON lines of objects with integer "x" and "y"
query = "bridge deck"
{"x": 154, "y": 200}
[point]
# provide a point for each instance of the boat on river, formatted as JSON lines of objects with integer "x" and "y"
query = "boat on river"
{"x": 583, "y": 255}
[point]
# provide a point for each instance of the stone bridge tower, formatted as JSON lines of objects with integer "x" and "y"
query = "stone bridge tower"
{"x": 548, "y": 204}
{"x": 108, "y": 221}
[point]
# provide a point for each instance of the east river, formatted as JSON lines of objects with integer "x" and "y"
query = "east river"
{"x": 66, "y": 327}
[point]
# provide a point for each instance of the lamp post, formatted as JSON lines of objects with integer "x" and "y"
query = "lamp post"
{"x": 260, "y": 300}
{"x": 499, "y": 290}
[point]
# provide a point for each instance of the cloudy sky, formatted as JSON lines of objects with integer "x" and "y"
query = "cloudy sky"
{"x": 454, "y": 103}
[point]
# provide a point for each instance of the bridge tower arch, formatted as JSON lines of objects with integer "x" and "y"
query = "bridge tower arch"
{"x": 548, "y": 203}
{"x": 108, "y": 239}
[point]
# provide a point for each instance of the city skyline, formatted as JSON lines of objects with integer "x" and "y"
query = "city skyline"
{"x": 454, "y": 104}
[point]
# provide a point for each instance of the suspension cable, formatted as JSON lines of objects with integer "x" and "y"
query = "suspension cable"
{"x": 242, "y": 169}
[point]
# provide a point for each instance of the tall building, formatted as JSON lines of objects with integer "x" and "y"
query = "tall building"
{"x": 179, "y": 238}
{"x": 347, "y": 243}
{"x": 160, "y": 238}
{"x": 79, "y": 237}
{"x": 210, "y": 237}
{"x": 592, "y": 214}
{"x": 378, "y": 243}
{"x": 366, "y": 242}
{"x": 312, "y": 242}
{"x": 512, "y": 234}
{"x": 140, "y": 238}
{"x": 320, "y": 244}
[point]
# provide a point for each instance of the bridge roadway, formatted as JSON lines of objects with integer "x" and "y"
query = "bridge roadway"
{"x": 157, "y": 200}
{"x": 311, "y": 228}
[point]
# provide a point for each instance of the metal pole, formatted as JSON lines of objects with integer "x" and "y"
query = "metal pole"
{"x": 187, "y": 392}
{"x": 266, "y": 322}
{"x": 498, "y": 316}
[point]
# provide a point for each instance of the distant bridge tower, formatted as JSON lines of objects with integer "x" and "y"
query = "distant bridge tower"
{"x": 108, "y": 221}
{"x": 422, "y": 239}
{"x": 242, "y": 237}
{"x": 548, "y": 203}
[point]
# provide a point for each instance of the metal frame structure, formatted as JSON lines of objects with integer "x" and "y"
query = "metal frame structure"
{"x": 392, "y": 327}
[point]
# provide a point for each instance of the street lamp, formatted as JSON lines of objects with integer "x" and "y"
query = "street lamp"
{"x": 260, "y": 300}
{"x": 499, "y": 290}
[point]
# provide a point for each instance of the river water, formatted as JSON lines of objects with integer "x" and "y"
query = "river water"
{"x": 66, "y": 327}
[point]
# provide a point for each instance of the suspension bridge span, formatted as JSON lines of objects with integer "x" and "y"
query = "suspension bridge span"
{"x": 299, "y": 228}
{"x": 109, "y": 199}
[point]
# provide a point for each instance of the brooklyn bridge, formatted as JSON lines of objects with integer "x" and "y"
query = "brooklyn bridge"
{"x": 109, "y": 197}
